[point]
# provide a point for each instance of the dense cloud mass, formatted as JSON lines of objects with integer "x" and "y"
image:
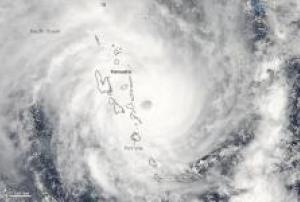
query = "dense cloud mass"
{"x": 150, "y": 101}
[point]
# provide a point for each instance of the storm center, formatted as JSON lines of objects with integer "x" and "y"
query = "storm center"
{"x": 147, "y": 104}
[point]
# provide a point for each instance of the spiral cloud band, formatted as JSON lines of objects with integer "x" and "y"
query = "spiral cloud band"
{"x": 150, "y": 101}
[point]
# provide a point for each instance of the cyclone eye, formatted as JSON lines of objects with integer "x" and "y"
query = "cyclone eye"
{"x": 146, "y": 104}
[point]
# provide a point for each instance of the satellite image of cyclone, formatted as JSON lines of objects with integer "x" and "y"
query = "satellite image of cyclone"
{"x": 150, "y": 101}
